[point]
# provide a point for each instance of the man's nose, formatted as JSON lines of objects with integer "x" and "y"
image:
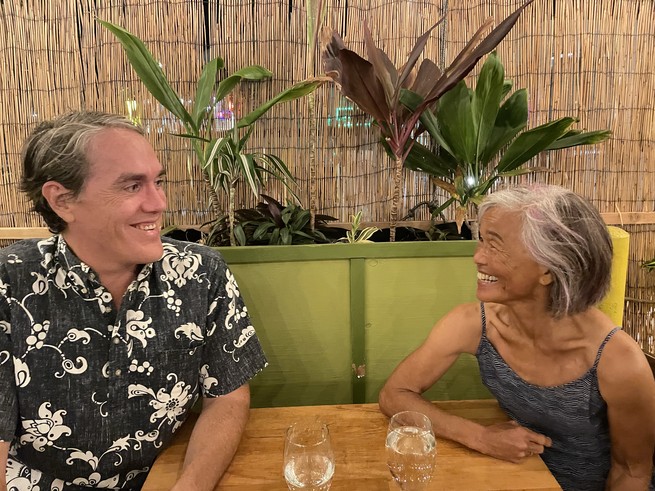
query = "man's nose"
{"x": 155, "y": 200}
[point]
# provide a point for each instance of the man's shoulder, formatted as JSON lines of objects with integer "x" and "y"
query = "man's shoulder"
{"x": 27, "y": 250}
{"x": 180, "y": 247}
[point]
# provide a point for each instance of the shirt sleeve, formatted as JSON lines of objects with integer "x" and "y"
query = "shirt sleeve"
{"x": 9, "y": 404}
{"x": 232, "y": 353}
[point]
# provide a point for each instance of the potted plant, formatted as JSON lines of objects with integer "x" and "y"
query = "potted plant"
{"x": 271, "y": 223}
{"x": 480, "y": 136}
{"x": 376, "y": 85}
{"x": 223, "y": 159}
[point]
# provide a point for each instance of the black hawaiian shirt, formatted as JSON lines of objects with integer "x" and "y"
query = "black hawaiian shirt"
{"x": 89, "y": 394}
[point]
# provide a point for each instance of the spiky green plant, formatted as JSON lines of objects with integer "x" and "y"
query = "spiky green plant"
{"x": 480, "y": 136}
{"x": 223, "y": 159}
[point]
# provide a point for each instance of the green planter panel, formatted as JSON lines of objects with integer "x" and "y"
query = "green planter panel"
{"x": 324, "y": 311}
{"x": 301, "y": 313}
{"x": 404, "y": 298}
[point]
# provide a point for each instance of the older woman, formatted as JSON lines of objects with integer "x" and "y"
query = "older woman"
{"x": 578, "y": 390}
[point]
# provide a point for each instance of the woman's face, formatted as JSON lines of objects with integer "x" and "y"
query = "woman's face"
{"x": 507, "y": 274}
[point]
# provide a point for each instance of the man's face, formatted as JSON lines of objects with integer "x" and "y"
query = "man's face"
{"x": 115, "y": 221}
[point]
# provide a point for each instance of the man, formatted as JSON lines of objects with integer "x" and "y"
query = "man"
{"x": 109, "y": 332}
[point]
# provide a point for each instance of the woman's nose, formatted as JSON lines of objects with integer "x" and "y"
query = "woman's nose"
{"x": 478, "y": 255}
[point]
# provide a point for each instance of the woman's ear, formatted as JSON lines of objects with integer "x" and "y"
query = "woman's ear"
{"x": 546, "y": 278}
{"x": 60, "y": 200}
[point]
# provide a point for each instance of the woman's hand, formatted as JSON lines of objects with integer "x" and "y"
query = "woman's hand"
{"x": 511, "y": 441}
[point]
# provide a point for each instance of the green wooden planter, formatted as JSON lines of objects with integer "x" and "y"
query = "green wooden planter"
{"x": 336, "y": 319}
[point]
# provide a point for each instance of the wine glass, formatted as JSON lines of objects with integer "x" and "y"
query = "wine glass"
{"x": 411, "y": 450}
{"x": 308, "y": 457}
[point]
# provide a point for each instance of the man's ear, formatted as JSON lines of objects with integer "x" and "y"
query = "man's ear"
{"x": 60, "y": 199}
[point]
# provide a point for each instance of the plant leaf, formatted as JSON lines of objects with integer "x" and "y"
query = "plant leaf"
{"x": 416, "y": 51}
{"x": 382, "y": 66}
{"x": 428, "y": 72}
{"x": 531, "y": 142}
{"x": 204, "y": 90}
{"x": 428, "y": 120}
{"x": 455, "y": 117}
{"x": 297, "y": 91}
{"x": 467, "y": 59}
{"x": 240, "y": 235}
{"x": 511, "y": 119}
{"x": 573, "y": 139}
{"x": 507, "y": 87}
{"x": 486, "y": 104}
{"x": 421, "y": 159}
{"x": 358, "y": 83}
{"x": 150, "y": 73}
{"x": 252, "y": 72}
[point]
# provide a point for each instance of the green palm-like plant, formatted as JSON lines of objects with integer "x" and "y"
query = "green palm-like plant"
{"x": 649, "y": 265}
{"x": 223, "y": 160}
{"x": 375, "y": 85}
{"x": 480, "y": 139}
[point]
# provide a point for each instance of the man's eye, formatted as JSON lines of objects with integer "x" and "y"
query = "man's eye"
{"x": 160, "y": 182}
{"x": 133, "y": 187}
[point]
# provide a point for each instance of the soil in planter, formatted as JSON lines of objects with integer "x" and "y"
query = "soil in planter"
{"x": 441, "y": 231}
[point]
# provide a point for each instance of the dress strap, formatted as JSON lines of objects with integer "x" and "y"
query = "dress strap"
{"x": 484, "y": 319}
{"x": 602, "y": 345}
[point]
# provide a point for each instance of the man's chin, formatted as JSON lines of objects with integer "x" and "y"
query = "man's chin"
{"x": 151, "y": 254}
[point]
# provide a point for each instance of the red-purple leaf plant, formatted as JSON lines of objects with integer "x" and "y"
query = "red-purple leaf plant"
{"x": 375, "y": 85}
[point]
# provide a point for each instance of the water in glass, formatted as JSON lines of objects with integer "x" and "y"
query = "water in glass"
{"x": 308, "y": 458}
{"x": 411, "y": 450}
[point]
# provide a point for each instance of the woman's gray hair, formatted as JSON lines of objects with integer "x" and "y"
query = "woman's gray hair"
{"x": 566, "y": 234}
{"x": 56, "y": 151}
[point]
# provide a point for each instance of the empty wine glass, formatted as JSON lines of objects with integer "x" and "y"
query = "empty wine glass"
{"x": 308, "y": 457}
{"x": 411, "y": 450}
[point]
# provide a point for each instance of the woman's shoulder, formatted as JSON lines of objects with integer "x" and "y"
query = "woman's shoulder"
{"x": 621, "y": 359}
{"x": 466, "y": 313}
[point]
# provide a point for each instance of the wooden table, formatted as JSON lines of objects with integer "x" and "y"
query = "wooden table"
{"x": 358, "y": 434}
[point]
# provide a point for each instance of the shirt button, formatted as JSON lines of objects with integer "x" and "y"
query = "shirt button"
{"x": 116, "y": 340}
{"x": 118, "y": 372}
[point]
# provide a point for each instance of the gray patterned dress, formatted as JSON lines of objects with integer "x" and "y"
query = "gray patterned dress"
{"x": 573, "y": 415}
{"x": 90, "y": 395}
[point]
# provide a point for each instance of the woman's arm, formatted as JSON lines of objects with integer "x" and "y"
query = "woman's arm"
{"x": 458, "y": 332}
{"x": 627, "y": 385}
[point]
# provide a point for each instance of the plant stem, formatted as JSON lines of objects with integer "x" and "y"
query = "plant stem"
{"x": 230, "y": 214}
{"x": 311, "y": 101}
{"x": 397, "y": 179}
{"x": 213, "y": 195}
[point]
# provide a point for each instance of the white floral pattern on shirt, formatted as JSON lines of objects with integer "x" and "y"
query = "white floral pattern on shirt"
{"x": 98, "y": 391}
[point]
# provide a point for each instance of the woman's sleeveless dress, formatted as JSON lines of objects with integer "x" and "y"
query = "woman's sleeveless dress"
{"x": 573, "y": 415}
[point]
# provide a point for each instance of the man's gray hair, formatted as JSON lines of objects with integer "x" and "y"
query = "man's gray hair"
{"x": 566, "y": 234}
{"x": 56, "y": 151}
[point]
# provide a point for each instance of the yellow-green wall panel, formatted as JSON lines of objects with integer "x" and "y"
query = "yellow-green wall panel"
{"x": 301, "y": 312}
{"x": 404, "y": 299}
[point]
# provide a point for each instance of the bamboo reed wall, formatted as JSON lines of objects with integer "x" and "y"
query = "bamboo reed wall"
{"x": 577, "y": 58}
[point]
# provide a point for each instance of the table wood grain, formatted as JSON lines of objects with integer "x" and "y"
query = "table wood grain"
{"x": 358, "y": 433}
